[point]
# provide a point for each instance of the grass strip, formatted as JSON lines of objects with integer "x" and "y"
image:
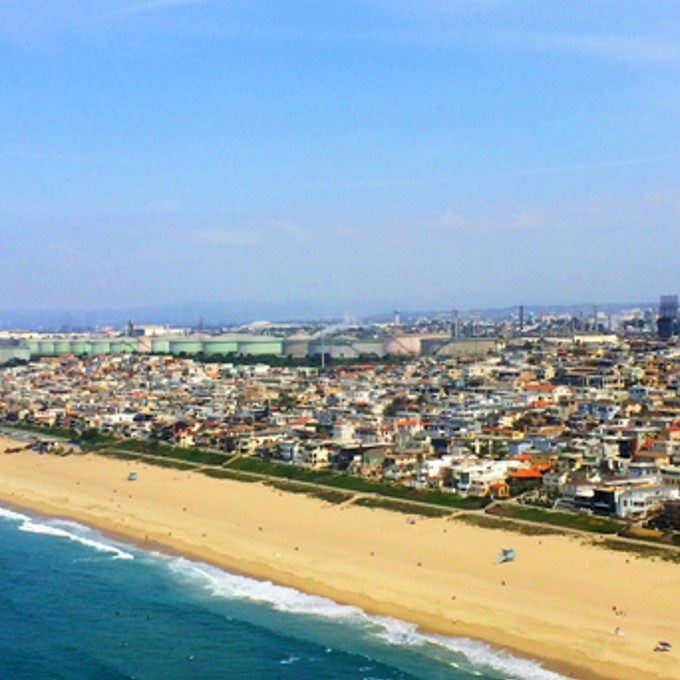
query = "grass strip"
{"x": 358, "y": 484}
{"x": 599, "y": 525}
{"x": 638, "y": 550}
{"x": 147, "y": 460}
{"x": 401, "y": 506}
{"x": 221, "y": 473}
{"x": 163, "y": 450}
{"x": 119, "y": 455}
{"x": 327, "y": 495}
{"x": 502, "y": 524}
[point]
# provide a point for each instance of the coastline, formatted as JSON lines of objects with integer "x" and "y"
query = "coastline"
{"x": 436, "y": 573}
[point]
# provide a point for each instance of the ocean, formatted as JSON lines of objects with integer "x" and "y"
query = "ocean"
{"x": 77, "y": 605}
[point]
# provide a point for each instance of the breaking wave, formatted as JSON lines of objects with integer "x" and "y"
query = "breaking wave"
{"x": 387, "y": 630}
{"x": 77, "y": 533}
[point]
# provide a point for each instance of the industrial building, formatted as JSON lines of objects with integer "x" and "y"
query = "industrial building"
{"x": 185, "y": 345}
{"x": 241, "y": 344}
{"x": 12, "y": 350}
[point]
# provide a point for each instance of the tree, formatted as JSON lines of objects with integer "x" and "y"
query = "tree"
{"x": 397, "y": 404}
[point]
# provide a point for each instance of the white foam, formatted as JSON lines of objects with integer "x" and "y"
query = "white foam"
{"x": 64, "y": 529}
{"x": 281, "y": 598}
{"x": 389, "y": 630}
{"x": 53, "y": 529}
{"x": 289, "y": 660}
{"x": 11, "y": 515}
{"x": 478, "y": 653}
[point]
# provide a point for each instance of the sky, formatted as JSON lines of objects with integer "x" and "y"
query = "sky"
{"x": 411, "y": 154}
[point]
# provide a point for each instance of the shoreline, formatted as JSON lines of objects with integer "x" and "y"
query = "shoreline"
{"x": 384, "y": 586}
{"x": 561, "y": 668}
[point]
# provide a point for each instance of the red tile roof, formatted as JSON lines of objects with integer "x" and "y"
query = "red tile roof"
{"x": 526, "y": 474}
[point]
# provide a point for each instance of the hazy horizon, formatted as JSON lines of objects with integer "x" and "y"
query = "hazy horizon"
{"x": 216, "y": 315}
{"x": 386, "y": 153}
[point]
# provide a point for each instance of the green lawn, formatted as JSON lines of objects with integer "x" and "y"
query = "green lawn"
{"x": 638, "y": 550}
{"x": 401, "y": 506}
{"x": 504, "y": 524}
{"x": 327, "y": 495}
{"x": 157, "y": 462}
{"x": 218, "y": 473}
{"x": 161, "y": 449}
{"x": 359, "y": 484}
{"x": 600, "y": 525}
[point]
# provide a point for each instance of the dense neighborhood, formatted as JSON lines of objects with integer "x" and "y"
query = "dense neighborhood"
{"x": 590, "y": 425}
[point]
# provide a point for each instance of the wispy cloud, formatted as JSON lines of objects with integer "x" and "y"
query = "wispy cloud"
{"x": 584, "y": 29}
{"x": 479, "y": 25}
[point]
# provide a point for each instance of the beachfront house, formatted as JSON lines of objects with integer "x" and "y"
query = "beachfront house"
{"x": 577, "y": 494}
{"x": 310, "y": 454}
{"x": 639, "y": 502}
{"x": 553, "y": 482}
{"x": 477, "y": 478}
{"x": 632, "y": 501}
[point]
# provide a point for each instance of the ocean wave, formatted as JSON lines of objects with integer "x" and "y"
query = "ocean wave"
{"x": 11, "y": 515}
{"x": 480, "y": 654}
{"x": 289, "y": 660}
{"x": 282, "y": 598}
{"x": 72, "y": 532}
{"x": 387, "y": 630}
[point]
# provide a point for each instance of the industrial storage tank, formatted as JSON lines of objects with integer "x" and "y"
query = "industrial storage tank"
{"x": 402, "y": 344}
{"x": 80, "y": 347}
{"x": 62, "y": 347}
{"x": 221, "y": 346}
{"x": 432, "y": 344}
{"x": 14, "y": 352}
{"x": 101, "y": 346}
{"x": 189, "y": 347}
{"x": 41, "y": 348}
{"x": 297, "y": 346}
{"x": 336, "y": 347}
{"x": 258, "y": 346}
{"x": 466, "y": 347}
{"x": 369, "y": 348}
{"x": 123, "y": 346}
{"x": 47, "y": 348}
{"x": 33, "y": 347}
{"x": 160, "y": 346}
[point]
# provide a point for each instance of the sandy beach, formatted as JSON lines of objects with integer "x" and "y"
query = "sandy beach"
{"x": 561, "y": 601}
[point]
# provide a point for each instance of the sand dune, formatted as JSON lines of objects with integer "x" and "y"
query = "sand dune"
{"x": 559, "y": 601}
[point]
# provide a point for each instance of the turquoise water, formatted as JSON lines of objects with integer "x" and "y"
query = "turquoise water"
{"x": 76, "y": 605}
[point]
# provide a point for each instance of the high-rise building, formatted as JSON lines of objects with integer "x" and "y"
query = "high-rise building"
{"x": 667, "y": 323}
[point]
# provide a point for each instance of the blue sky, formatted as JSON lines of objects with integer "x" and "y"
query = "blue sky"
{"x": 396, "y": 153}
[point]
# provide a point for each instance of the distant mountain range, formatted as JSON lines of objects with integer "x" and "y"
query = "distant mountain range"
{"x": 215, "y": 315}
